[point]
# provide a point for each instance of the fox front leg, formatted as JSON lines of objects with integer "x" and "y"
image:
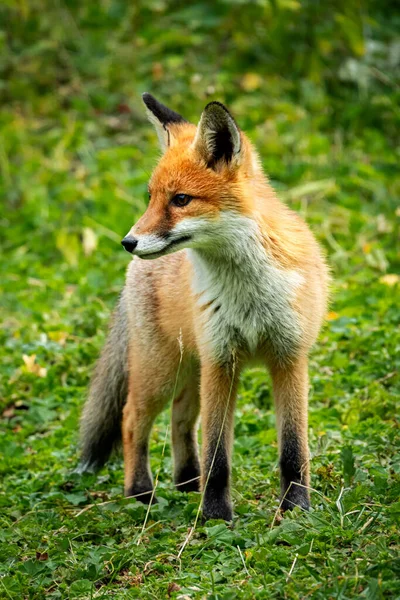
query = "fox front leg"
{"x": 290, "y": 386}
{"x": 218, "y": 395}
{"x": 185, "y": 413}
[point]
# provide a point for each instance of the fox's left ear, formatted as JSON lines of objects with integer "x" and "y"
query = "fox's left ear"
{"x": 218, "y": 137}
{"x": 162, "y": 117}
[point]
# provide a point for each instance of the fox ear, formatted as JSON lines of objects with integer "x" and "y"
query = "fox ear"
{"x": 218, "y": 137}
{"x": 161, "y": 117}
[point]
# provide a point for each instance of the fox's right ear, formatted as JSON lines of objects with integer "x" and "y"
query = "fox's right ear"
{"x": 161, "y": 117}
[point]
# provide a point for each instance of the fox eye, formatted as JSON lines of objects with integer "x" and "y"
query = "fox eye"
{"x": 181, "y": 200}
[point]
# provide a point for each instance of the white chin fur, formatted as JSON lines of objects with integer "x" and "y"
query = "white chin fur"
{"x": 153, "y": 246}
{"x": 148, "y": 244}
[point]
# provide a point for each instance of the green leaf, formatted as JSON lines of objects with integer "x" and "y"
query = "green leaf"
{"x": 346, "y": 454}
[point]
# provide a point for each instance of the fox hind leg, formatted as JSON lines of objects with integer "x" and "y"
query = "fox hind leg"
{"x": 138, "y": 419}
{"x": 185, "y": 413}
{"x": 152, "y": 376}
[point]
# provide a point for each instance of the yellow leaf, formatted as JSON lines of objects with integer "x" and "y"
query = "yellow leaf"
{"x": 367, "y": 248}
{"x": 251, "y": 82}
{"x": 29, "y": 362}
{"x": 89, "y": 241}
{"x": 390, "y": 279}
{"x": 32, "y": 367}
{"x": 331, "y": 316}
{"x": 68, "y": 244}
{"x": 58, "y": 336}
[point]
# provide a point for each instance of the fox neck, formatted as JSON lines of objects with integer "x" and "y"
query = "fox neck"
{"x": 246, "y": 295}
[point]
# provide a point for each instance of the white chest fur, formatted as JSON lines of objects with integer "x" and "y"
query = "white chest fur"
{"x": 246, "y": 298}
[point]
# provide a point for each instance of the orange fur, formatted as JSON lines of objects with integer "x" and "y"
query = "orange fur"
{"x": 172, "y": 298}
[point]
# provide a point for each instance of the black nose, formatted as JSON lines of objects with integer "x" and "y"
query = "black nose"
{"x": 129, "y": 243}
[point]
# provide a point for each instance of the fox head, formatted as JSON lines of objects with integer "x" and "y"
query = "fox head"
{"x": 201, "y": 184}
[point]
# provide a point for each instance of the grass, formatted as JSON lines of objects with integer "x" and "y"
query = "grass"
{"x": 75, "y": 156}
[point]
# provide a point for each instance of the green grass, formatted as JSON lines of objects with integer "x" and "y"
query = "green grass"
{"x": 321, "y": 104}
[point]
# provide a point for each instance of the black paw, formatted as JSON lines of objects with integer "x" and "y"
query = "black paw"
{"x": 188, "y": 479}
{"x": 214, "y": 508}
{"x": 142, "y": 493}
{"x": 296, "y": 496}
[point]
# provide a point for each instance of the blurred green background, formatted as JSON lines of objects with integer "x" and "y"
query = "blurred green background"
{"x": 316, "y": 86}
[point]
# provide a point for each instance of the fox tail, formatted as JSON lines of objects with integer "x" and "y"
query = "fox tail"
{"x": 100, "y": 428}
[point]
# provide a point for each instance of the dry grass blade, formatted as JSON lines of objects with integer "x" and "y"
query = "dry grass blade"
{"x": 292, "y": 568}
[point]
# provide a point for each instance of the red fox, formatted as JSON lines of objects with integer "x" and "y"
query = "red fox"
{"x": 223, "y": 269}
